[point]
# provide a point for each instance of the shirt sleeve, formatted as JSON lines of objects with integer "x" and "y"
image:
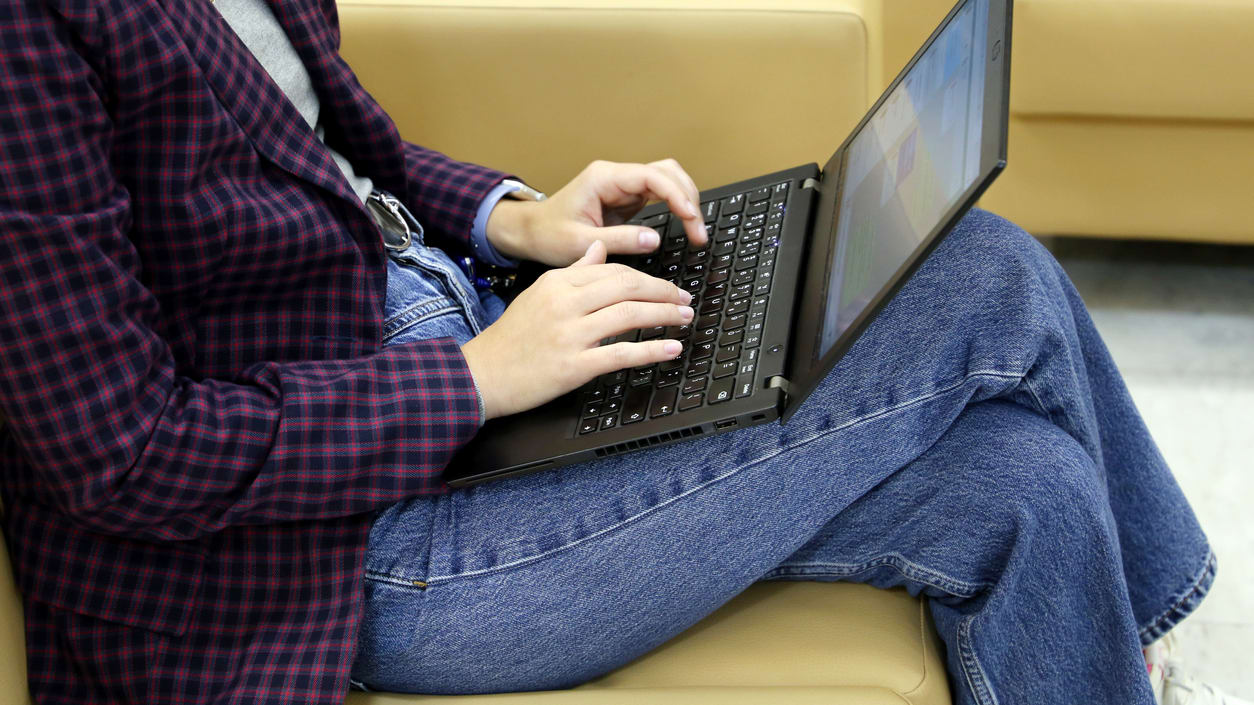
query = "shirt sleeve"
{"x": 102, "y": 425}
{"x": 483, "y": 249}
{"x": 444, "y": 194}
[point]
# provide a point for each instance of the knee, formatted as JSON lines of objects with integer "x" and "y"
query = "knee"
{"x": 1035, "y": 476}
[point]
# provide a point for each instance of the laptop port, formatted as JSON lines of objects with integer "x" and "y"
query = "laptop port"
{"x": 725, "y": 423}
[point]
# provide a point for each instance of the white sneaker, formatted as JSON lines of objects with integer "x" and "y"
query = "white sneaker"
{"x": 1173, "y": 686}
{"x": 1182, "y": 689}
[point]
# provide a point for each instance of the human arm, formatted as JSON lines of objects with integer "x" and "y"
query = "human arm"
{"x": 113, "y": 430}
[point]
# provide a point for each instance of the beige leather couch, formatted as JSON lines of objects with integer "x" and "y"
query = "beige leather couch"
{"x": 1129, "y": 118}
{"x": 733, "y": 88}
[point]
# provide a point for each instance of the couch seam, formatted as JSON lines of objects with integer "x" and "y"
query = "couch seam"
{"x": 923, "y": 641}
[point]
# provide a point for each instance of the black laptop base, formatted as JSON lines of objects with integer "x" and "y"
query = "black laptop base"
{"x": 730, "y": 375}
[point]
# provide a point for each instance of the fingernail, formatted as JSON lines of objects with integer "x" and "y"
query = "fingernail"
{"x": 685, "y": 296}
{"x": 692, "y": 209}
{"x": 685, "y": 312}
{"x": 649, "y": 239}
{"x": 672, "y": 347}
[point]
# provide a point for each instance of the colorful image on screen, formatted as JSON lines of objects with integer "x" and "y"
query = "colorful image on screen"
{"x": 908, "y": 165}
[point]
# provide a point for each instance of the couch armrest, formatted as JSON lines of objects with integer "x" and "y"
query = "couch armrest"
{"x": 731, "y": 88}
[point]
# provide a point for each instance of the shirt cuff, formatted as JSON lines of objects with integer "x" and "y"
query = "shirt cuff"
{"x": 484, "y": 251}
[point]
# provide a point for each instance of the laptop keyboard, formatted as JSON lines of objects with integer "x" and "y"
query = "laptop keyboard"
{"x": 730, "y": 282}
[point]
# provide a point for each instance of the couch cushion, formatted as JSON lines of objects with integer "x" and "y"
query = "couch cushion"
{"x": 1153, "y": 59}
{"x": 732, "y": 88}
{"x": 777, "y": 642}
{"x": 13, "y": 689}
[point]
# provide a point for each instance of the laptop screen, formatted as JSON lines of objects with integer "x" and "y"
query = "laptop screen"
{"x": 910, "y": 164}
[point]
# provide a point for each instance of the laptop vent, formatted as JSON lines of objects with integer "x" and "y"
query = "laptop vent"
{"x": 650, "y": 441}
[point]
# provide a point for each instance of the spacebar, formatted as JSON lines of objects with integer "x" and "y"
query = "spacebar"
{"x": 636, "y": 406}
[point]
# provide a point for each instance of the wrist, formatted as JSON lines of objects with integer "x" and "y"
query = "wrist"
{"x": 509, "y": 227}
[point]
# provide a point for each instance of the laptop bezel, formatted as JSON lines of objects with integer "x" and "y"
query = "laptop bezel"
{"x": 804, "y": 370}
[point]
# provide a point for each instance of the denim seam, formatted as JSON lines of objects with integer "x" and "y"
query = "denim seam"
{"x": 909, "y": 569}
{"x": 977, "y": 679}
{"x": 406, "y": 325}
{"x": 1156, "y": 627}
{"x": 436, "y": 579}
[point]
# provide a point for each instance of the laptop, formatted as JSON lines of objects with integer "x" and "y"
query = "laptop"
{"x": 799, "y": 263}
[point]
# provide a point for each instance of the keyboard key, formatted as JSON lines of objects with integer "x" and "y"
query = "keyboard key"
{"x": 752, "y": 340}
{"x": 762, "y": 287}
{"x": 709, "y": 209}
{"x": 745, "y": 276}
{"x": 731, "y": 352}
{"x": 670, "y": 365}
{"x": 594, "y": 395}
{"x": 613, "y": 391}
{"x": 775, "y": 218}
{"x": 744, "y": 386}
{"x": 705, "y": 335}
{"x": 731, "y": 337}
{"x": 746, "y": 262}
{"x": 779, "y": 192}
{"x": 592, "y": 409}
{"x": 614, "y": 377}
{"x": 724, "y": 248}
{"x": 697, "y": 257}
{"x": 712, "y": 305}
{"x": 655, "y": 221}
{"x": 611, "y": 405}
{"x": 732, "y": 322}
{"x": 759, "y": 301}
{"x": 755, "y": 208}
{"x": 709, "y": 319}
{"x": 637, "y": 404}
{"x": 730, "y": 221}
{"x": 737, "y": 308}
{"x": 663, "y": 402}
{"x": 751, "y": 248}
{"x": 757, "y": 315}
{"x": 695, "y": 385}
{"x": 609, "y": 421}
{"x": 732, "y": 204}
{"x": 725, "y": 369}
{"x": 696, "y": 270}
{"x": 751, "y": 234}
{"x": 718, "y": 276}
{"x": 747, "y": 368}
{"x": 589, "y": 426}
{"x": 702, "y": 351}
{"x": 666, "y": 379}
{"x": 773, "y": 230}
{"x": 743, "y": 291}
{"x": 721, "y": 390}
{"x": 727, "y": 235}
{"x": 698, "y": 369}
{"x": 679, "y": 332}
{"x": 761, "y": 194}
{"x": 750, "y": 355}
{"x": 641, "y": 376}
{"x": 722, "y": 261}
{"x": 753, "y": 221}
{"x": 691, "y": 401}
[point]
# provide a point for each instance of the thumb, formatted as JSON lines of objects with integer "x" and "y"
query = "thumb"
{"x": 628, "y": 239}
{"x": 594, "y": 255}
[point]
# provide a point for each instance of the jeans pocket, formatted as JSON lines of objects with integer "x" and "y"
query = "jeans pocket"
{"x": 419, "y": 306}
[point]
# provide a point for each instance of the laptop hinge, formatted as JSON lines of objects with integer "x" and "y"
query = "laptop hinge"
{"x": 778, "y": 382}
{"x": 812, "y": 184}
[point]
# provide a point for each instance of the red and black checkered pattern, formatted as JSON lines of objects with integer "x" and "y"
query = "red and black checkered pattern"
{"x": 199, "y": 415}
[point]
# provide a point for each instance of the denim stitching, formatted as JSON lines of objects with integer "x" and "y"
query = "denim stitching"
{"x": 1166, "y": 620}
{"x": 907, "y": 568}
{"x": 433, "y": 580}
{"x": 977, "y": 679}
{"x": 402, "y": 325}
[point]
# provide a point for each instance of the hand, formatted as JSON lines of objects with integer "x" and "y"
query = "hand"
{"x": 548, "y": 341}
{"x": 594, "y": 206}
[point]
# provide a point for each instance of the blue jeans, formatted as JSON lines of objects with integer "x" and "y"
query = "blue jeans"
{"x": 976, "y": 446}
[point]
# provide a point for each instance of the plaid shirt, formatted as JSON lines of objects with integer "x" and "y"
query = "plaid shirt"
{"x": 199, "y": 415}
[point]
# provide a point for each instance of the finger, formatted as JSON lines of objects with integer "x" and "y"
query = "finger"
{"x": 629, "y": 285}
{"x": 627, "y": 239}
{"x": 595, "y": 254}
{"x": 694, "y": 228}
{"x": 685, "y": 181}
{"x": 633, "y": 315}
{"x": 631, "y": 180}
{"x": 619, "y": 356}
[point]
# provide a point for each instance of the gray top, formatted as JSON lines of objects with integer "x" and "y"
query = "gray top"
{"x": 257, "y": 28}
